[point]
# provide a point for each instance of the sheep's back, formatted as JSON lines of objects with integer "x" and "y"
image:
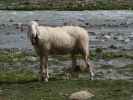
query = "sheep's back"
{"x": 56, "y": 37}
{"x": 76, "y": 31}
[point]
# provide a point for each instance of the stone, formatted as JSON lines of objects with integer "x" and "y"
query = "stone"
{"x": 81, "y": 95}
{"x": 120, "y": 38}
{"x": 127, "y": 40}
{"x": 33, "y": 59}
{"x": 107, "y": 37}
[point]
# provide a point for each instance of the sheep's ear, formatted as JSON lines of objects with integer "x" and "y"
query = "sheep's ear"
{"x": 35, "y": 31}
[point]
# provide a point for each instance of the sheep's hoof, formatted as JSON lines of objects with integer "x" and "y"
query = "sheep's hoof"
{"x": 46, "y": 80}
{"x": 92, "y": 76}
{"x": 42, "y": 79}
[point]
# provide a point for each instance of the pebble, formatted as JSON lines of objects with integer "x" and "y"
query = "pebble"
{"x": 107, "y": 37}
{"x": 127, "y": 40}
{"x": 120, "y": 38}
{"x": 31, "y": 59}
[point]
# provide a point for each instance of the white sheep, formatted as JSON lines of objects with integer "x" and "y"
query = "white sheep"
{"x": 59, "y": 40}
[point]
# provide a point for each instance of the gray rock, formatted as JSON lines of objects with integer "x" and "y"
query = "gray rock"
{"x": 107, "y": 36}
{"x": 81, "y": 95}
{"x": 31, "y": 59}
{"x": 127, "y": 40}
{"x": 120, "y": 38}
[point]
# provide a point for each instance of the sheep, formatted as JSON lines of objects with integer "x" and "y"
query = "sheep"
{"x": 59, "y": 40}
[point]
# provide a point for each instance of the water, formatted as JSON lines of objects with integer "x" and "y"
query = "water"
{"x": 106, "y": 28}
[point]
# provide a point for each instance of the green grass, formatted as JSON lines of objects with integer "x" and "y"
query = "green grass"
{"x": 17, "y": 56}
{"x": 23, "y": 83}
{"x": 67, "y": 5}
{"x": 101, "y": 54}
{"x": 18, "y": 75}
{"x": 61, "y": 89}
{"x": 9, "y": 57}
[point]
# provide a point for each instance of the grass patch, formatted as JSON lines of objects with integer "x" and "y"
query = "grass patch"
{"x": 100, "y": 54}
{"x": 128, "y": 69}
{"x": 61, "y": 89}
{"x": 19, "y": 56}
{"x": 18, "y": 75}
{"x": 12, "y": 57}
{"x": 23, "y": 84}
{"x": 66, "y": 5}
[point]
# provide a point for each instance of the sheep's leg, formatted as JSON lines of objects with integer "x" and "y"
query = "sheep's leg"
{"x": 41, "y": 68}
{"x": 85, "y": 53}
{"x": 44, "y": 68}
{"x": 74, "y": 62}
{"x": 87, "y": 60}
{"x": 90, "y": 66}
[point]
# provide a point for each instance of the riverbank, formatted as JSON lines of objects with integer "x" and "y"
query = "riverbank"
{"x": 66, "y": 5}
{"x": 19, "y": 66}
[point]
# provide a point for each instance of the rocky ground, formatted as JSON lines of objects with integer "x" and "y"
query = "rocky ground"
{"x": 111, "y": 35}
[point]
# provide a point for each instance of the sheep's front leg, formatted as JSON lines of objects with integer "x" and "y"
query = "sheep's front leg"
{"x": 44, "y": 68}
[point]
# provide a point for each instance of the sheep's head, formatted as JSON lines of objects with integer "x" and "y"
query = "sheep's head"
{"x": 33, "y": 23}
{"x": 33, "y": 28}
{"x": 30, "y": 29}
{"x": 32, "y": 32}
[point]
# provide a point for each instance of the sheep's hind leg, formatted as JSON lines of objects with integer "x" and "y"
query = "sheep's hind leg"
{"x": 74, "y": 62}
{"x": 90, "y": 66}
{"x": 85, "y": 54}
